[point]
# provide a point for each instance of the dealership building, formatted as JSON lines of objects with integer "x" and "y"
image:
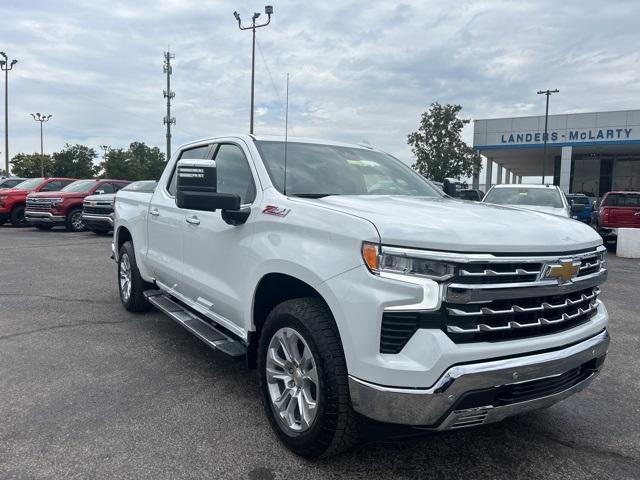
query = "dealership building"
{"x": 590, "y": 153}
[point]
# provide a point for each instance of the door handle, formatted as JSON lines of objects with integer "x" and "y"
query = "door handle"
{"x": 192, "y": 220}
{"x": 154, "y": 211}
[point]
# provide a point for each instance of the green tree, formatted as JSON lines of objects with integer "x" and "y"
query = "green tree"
{"x": 117, "y": 165}
{"x": 75, "y": 161}
{"x": 138, "y": 162}
{"x": 150, "y": 159}
{"x": 30, "y": 165}
{"x": 438, "y": 146}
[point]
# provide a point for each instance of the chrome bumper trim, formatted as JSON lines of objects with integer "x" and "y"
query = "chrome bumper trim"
{"x": 98, "y": 218}
{"x": 425, "y": 407}
{"x": 44, "y": 217}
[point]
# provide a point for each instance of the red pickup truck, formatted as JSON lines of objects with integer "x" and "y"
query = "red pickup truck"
{"x": 64, "y": 208}
{"x": 617, "y": 210}
{"x": 12, "y": 201}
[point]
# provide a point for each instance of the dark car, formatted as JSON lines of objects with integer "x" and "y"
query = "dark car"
{"x": 471, "y": 194}
{"x": 583, "y": 214}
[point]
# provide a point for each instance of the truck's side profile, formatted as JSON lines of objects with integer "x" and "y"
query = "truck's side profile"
{"x": 359, "y": 291}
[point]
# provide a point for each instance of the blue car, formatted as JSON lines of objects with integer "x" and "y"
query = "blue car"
{"x": 583, "y": 215}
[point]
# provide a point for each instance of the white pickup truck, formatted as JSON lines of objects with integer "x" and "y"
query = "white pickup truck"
{"x": 361, "y": 293}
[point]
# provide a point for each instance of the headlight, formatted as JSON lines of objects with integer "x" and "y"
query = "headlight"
{"x": 379, "y": 262}
{"x": 56, "y": 201}
{"x": 3, "y": 197}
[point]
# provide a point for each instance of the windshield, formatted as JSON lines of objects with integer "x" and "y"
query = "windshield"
{"x": 540, "y": 197}
{"x": 579, "y": 199}
{"x": 79, "y": 186}
{"x": 29, "y": 184}
{"x": 318, "y": 170}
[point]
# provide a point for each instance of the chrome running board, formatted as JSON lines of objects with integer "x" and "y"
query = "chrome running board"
{"x": 196, "y": 324}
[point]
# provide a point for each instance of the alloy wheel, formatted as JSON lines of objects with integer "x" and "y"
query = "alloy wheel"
{"x": 292, "y": 379}
{"x": 125, "y": 277}
{"x": 77, "y": 222}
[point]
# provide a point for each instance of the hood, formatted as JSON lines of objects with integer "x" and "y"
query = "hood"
{"x": 14, "y": 191}
{"x": 58, "y": 194}
{"x": 456, "y": 225}
{"x": 105, "y": 197}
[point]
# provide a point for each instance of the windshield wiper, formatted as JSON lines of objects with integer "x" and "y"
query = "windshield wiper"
{"x": 311, "y": 195}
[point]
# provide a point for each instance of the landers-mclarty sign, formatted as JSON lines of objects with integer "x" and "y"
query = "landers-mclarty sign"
{"x": 590, "y": 135}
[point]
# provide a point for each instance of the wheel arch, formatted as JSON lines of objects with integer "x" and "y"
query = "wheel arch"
{"x": 273, "y": 289}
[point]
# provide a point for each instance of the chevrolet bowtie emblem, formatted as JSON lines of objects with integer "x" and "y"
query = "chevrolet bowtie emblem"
{"x": 564, "y": 271}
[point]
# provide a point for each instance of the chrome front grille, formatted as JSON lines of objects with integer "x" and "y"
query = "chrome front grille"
{"x": 498, "y": 298}
{"x": 38, "y": 205}
{"x": 105, "y": 209}
{"x": 514, "y": 316}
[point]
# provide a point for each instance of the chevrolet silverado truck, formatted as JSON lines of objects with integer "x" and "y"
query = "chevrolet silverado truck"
{"x": 362, "y": 294}
{"x": 12, "y": 201}
{"x": 97, "y": 210}
{"x": 617, "y": 210}
{"x": 46, "y": 210}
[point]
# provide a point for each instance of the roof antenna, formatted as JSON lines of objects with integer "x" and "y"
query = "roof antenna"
{"x": 286, "y": 136}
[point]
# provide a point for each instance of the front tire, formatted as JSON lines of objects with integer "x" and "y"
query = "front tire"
{"x": 130, "y": 284}
{"x": 74, "y": 221}
{"x": 303, "y": 378}
{"x": 17, "y": 217}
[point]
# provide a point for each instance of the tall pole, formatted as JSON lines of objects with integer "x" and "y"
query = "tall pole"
{"x": 41, "y": 118}
{"x": 546, "y": 122}
{"x": 5, "y": 65}
{"x": 269, "y": 11}
{"x": 169, "y": 95}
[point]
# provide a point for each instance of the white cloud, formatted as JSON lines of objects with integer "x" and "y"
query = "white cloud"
{"x": 359, "y": 70}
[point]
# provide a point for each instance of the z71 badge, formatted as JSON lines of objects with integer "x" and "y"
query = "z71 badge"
{"x": 277, "y": 211}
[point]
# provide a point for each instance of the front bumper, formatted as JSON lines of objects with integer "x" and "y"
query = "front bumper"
{"x": 98, "y": 221}
{"x": 43, "y": 218}
{"x": 608, "y": 234}
{"x": 449, "y": 403}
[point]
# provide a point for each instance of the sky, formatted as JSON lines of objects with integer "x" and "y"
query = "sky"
{"x": 359, "y": 70}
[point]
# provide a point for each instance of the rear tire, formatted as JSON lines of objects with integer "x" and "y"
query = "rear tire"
{"x": 130, "y": 284}
{"x": 17, "y": 217}
{"x": 74, "y": 222}
{"x": 308, "y": 324}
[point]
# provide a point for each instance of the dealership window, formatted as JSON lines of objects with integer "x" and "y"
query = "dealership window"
{"x": 586, "y": 175}
{"x": 627, "y": 173}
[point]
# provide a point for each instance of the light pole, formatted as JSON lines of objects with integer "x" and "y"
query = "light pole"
{"x": 269, "y": 11}
{"x": 546, "y": 121}
{"x": 41, "y": 118}
{"x": 5, "y": 66}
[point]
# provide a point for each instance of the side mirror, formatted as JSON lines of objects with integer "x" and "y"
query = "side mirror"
{"x": 99, "y": 192}
{"x": 450, "y": 187}
{"x": 196, "y": 189}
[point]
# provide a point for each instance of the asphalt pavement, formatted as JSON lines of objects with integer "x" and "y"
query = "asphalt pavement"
{"x": 88, "y": 390}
